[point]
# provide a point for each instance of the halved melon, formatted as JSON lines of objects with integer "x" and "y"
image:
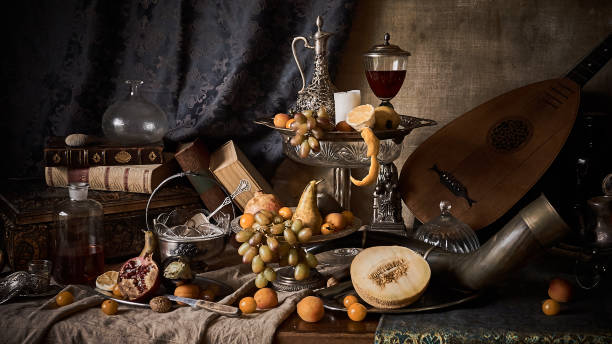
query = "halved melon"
{"x": 389, "y": 276}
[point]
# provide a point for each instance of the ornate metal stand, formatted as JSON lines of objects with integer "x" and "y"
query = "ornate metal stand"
{"x": 286, "y": 282}
{"x": 345, "y": 150}
{"x": 341, "y": 185}
{"x": 387, "y": 205}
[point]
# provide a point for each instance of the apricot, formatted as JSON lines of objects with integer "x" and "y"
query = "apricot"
{"x": 310, "y": 309}
{"x": 280, "y": 120}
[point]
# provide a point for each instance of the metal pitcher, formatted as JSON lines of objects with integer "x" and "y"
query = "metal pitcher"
{"x": 320, "y": 91}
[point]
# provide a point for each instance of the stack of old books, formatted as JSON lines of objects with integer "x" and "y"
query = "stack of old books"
{"x": 107, "y": 166}
{"x": 122, "y": 179}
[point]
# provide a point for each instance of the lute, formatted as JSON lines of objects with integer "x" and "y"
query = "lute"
{"x": 487, "y": 159}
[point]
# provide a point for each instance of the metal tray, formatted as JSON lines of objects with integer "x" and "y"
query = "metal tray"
{"x": 407, "y": 124}
{"x": 435, "y": 297}
{"x": 52, "y": 290}
{"x": 224, "y": 290}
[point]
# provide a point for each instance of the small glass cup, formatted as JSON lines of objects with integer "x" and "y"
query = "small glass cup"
{"x": 40, "y": 271}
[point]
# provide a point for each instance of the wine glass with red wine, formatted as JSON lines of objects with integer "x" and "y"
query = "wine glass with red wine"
{"x": 385, "y": 69}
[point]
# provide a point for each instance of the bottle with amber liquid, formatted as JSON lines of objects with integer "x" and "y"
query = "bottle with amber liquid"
{"x": 78, "y": 245}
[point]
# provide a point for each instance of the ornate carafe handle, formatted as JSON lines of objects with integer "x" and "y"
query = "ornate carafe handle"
{"x": 296, "y": 58}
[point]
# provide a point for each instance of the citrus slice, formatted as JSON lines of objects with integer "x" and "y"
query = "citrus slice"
{"x": 107, "y": 280}
{"x": 361, "y": 117}
{"x": 386, "y": 118}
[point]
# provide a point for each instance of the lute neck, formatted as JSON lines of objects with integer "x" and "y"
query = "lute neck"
{"x": 592, "y": 63}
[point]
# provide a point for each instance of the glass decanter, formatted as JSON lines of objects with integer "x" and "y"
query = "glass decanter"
{"x": 78, "y": 247}
{"x": 448, "y": 232}
{"x": 385, "y": 68}
{"x": 134, "y": 120}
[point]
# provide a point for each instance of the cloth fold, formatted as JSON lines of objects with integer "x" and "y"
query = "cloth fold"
{"x": 41, "y": 320}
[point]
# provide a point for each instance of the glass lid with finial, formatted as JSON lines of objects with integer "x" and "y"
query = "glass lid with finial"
{"x": 385, "y": 67}
{"x": 448, "y": 232}
{"x": 134, "y": 119}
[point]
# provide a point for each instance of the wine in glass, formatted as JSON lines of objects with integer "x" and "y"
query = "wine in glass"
{"x": 385, "y": 68}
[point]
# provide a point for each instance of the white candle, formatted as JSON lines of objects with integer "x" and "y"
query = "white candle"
{"x": 345, "y": 102}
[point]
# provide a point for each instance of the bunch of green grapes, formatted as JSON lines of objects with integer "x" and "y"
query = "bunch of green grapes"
{"x": 309, "y": 129}
{"x": 271, "y": 238}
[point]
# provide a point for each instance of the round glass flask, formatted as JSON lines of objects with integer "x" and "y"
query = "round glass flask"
{"x": 78, "y": 248}
{"x": 134, "y": 120}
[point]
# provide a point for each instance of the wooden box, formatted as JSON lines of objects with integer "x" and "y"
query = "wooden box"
{"x": 230, "y": 165}
{"x": 26, "y": 218}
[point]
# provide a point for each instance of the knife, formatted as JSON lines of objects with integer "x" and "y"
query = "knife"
{"x": 207, "y": 305}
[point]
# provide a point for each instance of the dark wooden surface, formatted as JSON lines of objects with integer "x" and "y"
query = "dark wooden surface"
{"x": 335, "y": 327}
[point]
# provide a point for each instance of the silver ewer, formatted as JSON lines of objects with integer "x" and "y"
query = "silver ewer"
{"x": 320, "y": 92}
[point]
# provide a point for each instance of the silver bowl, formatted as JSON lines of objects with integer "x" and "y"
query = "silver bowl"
{"x": 197, "y": 250}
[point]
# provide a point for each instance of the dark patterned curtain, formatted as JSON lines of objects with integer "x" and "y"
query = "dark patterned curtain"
{"x": 213, "y": 66}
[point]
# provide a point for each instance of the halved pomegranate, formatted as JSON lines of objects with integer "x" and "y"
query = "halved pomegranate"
{"x": 139, "y": 277}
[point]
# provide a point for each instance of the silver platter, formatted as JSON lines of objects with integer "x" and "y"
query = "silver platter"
{"x": 435, "y": 297}
{"x": 407, "y": 124}
{"x": 224, "y": 290}
{"x": 347, "y": 149}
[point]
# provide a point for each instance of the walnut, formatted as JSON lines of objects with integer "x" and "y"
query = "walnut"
{"x": 160, "y": 304}
{"x": 331, "y": 282}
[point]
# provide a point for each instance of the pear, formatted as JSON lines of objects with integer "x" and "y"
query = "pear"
{"x": 307, "y": 209}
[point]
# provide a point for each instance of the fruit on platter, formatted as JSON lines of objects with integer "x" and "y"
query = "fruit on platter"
{"x": 107, "y": 280}
{"x": 349, "y": 300}
{"x": 386, "y": 118}
{"x": 348, "y": 215}
{"x": 139, "y": 277}
{"x": 361, "y": 117}
{"x": 266, "y": 298}
{"x": 327, "y": 228}
{"x": 117, "y": 292}
{"x": 356, "y": 312}
{"x": 276, "y": 237}
{"x": 176, "y": 271}
{"x": 280, "y": 120}
{"x": 307, "y": 210}
{"x": 337, "y": 220}
{"x": 343, "y": 126}
{"x": 310, "y": 309}
{"x": 191, "y": 291}
{"x": 389, "y": 277}
{"x": 261, "y": 201}
{"x": 309, "y": 127}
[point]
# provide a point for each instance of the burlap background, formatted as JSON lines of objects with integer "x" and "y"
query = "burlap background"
{"x": 464, "y": 52}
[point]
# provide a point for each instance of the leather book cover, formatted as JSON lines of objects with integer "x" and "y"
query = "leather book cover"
{"x": 131, "y": 178}
{"x": 103, "y": 153}
{"x": 195, "y": 157}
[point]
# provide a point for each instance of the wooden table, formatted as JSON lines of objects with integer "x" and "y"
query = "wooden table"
{"x": 335, "y": 327}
